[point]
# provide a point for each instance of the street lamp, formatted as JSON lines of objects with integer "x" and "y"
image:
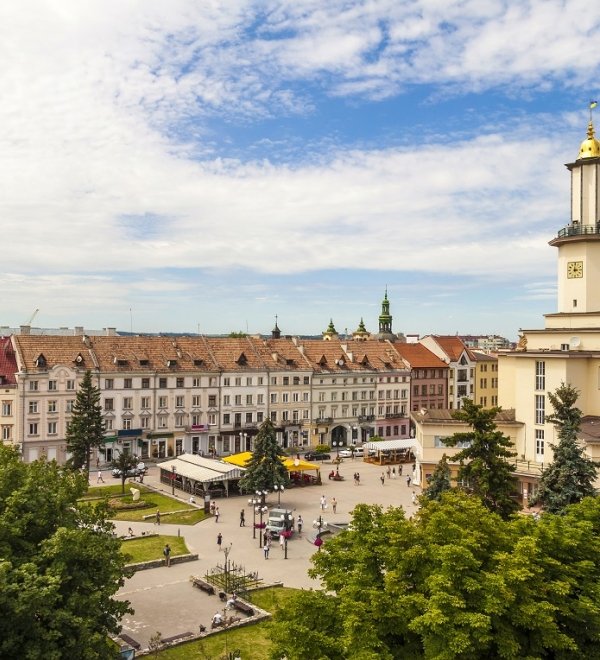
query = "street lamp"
{"x": 279, "y": 488}
{"x": 253, "y": 502}
{"x": 173, "y": 471}
{"x": 319, "y": 524}
{"x": 261, "y": 510}
{"x": 336, "y": 447}
{"x": 227, "y": 550}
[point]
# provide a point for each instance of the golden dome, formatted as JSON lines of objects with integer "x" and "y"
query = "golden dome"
{"x": 590, "y": 147}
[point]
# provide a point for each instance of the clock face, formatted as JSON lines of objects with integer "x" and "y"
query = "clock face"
{"x": 574, "y": 269}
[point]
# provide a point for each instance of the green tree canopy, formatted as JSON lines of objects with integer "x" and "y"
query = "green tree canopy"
{"x": 85, "y": 430}
{"x": 440, "y": 480}
{"x": 571, "y": 475}
{"x": 124, "y": 461}
{"x": 60, "y": 565}
{"x": 265, "y": 469}
{"x": 485, "y": 468}
{"x": 455, "y": 581}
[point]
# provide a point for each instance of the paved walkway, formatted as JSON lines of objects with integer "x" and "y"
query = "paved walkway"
{"x": 164, "y": 599}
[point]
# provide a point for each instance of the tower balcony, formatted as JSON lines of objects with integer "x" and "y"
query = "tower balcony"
{"x": 577, "y": 232}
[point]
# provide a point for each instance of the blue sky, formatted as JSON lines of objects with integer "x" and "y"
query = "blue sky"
{"x": 195, "y": 166}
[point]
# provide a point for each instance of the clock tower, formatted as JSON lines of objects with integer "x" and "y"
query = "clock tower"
{"x": 579, "y": 242}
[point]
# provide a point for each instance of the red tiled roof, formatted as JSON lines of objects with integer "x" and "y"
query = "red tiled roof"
{"x": 8, "y": 362}
{"x": 419, "y": 357}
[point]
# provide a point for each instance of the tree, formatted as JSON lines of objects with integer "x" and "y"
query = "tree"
{"x": 440, "y": 480}
{"x": 484, "y": 464}
{"x": 265, "y": 469}
{"x": 60, "y": 565}
{"x": 85, "y": 431}
{"x": 571, "y": 475}
{"x": 124, "y": 462}
{"x": 454, "y": 582}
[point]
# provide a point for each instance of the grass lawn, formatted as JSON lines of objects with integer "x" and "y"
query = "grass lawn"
{"x": 253, "y": 642}
{"x": 189, "y": 516}
{"x": 147, "y": 548}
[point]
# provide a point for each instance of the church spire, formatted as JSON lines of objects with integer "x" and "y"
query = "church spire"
{"x": 276, "y": 332}
{"x": 385, "y": 318}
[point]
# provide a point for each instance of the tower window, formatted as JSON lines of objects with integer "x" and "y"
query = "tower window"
{"x": 574, "y": 302}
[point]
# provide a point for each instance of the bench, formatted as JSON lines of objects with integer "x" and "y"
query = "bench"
{"x": 129, "y": 640}
{"x": 243, "y": 607}
{"x": 203, "y": 586}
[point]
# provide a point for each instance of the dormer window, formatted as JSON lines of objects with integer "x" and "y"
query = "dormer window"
{"x": 323, "y": 361}
{"x": 144, "y": 363}
{"x": 40, "y": 361}
{"x": 120, "y": 362}
{"x": 198, "y": 362}
{"x": 78, "y": 359}
{"x": 242, "y": 359}
{"x": 171, "y": 363}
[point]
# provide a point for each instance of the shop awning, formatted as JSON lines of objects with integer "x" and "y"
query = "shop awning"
{"x": 291, "y": 464}
{"x": 199, "y": 468}
{"x": 390, "y": 445}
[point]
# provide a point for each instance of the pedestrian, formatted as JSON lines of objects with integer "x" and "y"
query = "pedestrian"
{"x": 393, "y": 472}
{"x": 299, "y": 523}
{"x": 219, "y": 540}
{"x": 323, "y": 502}
{"x": 157, "y": 517}
{"x": 213, "y": 506}
{"x": 408, "y": 480}
{"x": 266, "y": 548}
{"x": 242, "y": 518}
{"x": 382, "y": 477}
{"x": 400, "y": 471}
{"x": 130, "y": 532}
{"x": 217, "y": 514}
{"x": 389, "y": 472}
{"x": 167, "y": 554}
{"x": 358, "y": 478}
{"x": 100, "y": 479}
{"x": 192, "y": 499}
{"x": 414, "y": 497}
{"x": 281, "y": 540}
{"x": 334, "y": 504}
{"x": 355, "y": 479}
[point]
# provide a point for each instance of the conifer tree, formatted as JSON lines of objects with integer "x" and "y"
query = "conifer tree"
{"x": 265, "y": 469}
{"x": 571, "y": 475}
{"x": 440, "y": 480}
{"x": 85, "y": 430}
{"x": 485, "y": 466}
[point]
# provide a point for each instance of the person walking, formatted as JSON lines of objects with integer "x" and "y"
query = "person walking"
{"x": 219, "y": 540}
{"x": 266, "y": 548}
{"x": 393, "y": 472}
{"x": 242, "y": 518}
{"x": 414, "y": 497}
{"x": 389, "y": 472}
{"x": 217, "y": 514}
{"x": 299, "y": 523}
{"x": 323, "y": 502}
{"x": 400, "y": 471}
{"x": 334, "y": 504}
{"x": 100, "y": 479}
{"x": 382, "y": 477}
{"x": 408, "y": 480}
{"x": 167, "y": 554}
{"x": 157, "y": 521}
{"x": 281, "y": 541}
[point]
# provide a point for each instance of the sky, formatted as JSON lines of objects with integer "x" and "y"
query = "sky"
{"x": 190, "y": 166}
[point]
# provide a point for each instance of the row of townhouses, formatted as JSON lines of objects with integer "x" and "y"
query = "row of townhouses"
{"x": 162, "y": 396}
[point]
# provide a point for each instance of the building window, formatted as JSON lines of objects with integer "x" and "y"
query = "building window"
{"x": 196, "y": 401}
{"x": 179, "y": 419}
{"x": 145, "y": 422}
{"x": 52, "y": 426}
{"x": 273, "y": 380}
{"x": 238, "y": 399}
{"x": 249, "y": 382}
{"x": 285, "y": 397}
{"x": 6, "y": 432}
{"x": 238, "y": 381}
{"x": 127, "y": 403}
{"x": 33, "y": 385}
{"x": 52, "y": 386}
{"x": 212, "y": 418}
{"x": 33, "y": 428}
{"x": 260, "y": 380}
{"x": 260, "y": 417}
{"x": 249, "y": 418}
{"x": 539, "y": 442}
{"x": 179, "y": 382}
{"x": 109, "y": 383}
{"x": 227, "y": 418}
{"x": 212, "y": 400}
{"x": 127, "y": 383}
{"x": 126, "y": 424}
{"x": 195, "y": 382}
{"x": 260, "y": 399}
{"x": 540, "y": 408}
{"x": 162, "y": 422}
{"x": 306, "y": 380}
{"x": 145, "y": 383}
{"x": 52, "y": 407}
{"x": 145, "y": 402}
{"x": 108, "y": 425}
{"x": 273, "y": 415}
{"x": 540, "y": 375}
{"x": 108, "y": 404}
{"x": 69, "y": 406}
{"x": 179, "y": 401}
{"x": 6, "y": 408}
{"x": 70, "y": 385}
{"x": 33, "y": 407}
{"x": 162, "y": 383}
{"x": 286, "y": 380}
{"x": 273, "y": 397}
{"x": 162, "y": 401}
{"x": 248, "y": 399}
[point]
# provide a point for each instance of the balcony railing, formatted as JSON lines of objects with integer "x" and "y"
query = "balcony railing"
{"x": 366, "y": 418}
{"x": 578, "y": 230}
{"x": 324, "y": 420}
{"x": 529, "y": 467}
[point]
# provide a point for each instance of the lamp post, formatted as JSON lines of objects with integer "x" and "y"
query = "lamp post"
{"x": 261, "y": 510}
{"x": 173, "y": 471}
{"x": 336, "y": 447}
{"x": 253, "y": 502}
{"x": 226, "y": 550}
{"x": 279, "y": 488}
{"x": 319, "y": 524}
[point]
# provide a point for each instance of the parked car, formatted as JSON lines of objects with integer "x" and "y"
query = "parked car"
{"x": 346, "y": 453}
{"x": 316, "y": 456}
{"x": 132, "y": 472}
